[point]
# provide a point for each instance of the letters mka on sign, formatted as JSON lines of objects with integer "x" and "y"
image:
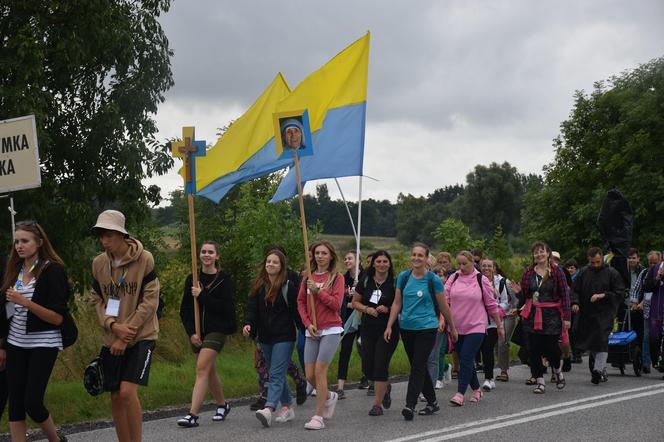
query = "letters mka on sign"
{"x": 19, "y": 154}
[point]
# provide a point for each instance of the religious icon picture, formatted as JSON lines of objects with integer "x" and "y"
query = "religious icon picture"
{"x": 292, "y": 132}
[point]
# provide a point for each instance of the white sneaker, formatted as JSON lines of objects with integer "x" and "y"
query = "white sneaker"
{"x": 439, "y": 384}
{"x": 265, "y": 416}
{"x": 489, "y": 385}
{"x": 286, "y": 414}
{"x": 447, "y": 377}
{"x": 313, "y": 392}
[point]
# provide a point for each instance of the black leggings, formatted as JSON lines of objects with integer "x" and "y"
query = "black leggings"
{"x": 4, "y": 392}
{"x": 418, "y": 345}
{"x": 344, "y": 355}
{"x": 543, "y": 345}
{"x": 488, "y": 346}
{"x": 28, "y": 371}
{"x": 377, "y": 352}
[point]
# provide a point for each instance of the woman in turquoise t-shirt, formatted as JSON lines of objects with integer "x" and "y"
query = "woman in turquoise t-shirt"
{"x": 414, "y": 299}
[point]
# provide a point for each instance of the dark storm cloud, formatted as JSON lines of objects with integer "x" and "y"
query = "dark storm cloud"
{"x": 488, "y": 62}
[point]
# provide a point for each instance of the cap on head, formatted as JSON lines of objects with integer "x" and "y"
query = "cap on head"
{"x": 292, "y": 122}
{"x": 555, "y": 255}
{"x": 111, "y": 220}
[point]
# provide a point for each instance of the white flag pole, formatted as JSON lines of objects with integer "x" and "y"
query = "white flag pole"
{"x": 350, "y": 216}
{"x": 359, "y": 228}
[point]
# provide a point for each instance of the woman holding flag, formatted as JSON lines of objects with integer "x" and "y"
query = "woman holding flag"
{"x": 215, "y": 297}
{"x": 326, "y": 287}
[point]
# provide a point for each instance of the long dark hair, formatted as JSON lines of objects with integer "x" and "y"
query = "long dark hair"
{"x": 45, "y": 254}
{"x": 371, "y": 271}
{"x": 262, "y": 281}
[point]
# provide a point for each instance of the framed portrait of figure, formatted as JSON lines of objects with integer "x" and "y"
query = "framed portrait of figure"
{"x": 292, "y": 132}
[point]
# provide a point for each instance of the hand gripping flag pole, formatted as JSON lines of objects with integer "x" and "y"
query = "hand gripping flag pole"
{"x": 305, "y": 238}
{"x": 188, "y": 149}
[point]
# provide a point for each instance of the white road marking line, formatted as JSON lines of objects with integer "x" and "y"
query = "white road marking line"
{"x": 540, "y": 416}
{"x": 527, "y": 412}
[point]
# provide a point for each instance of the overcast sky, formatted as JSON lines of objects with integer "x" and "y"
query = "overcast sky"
{"x": 452, "y": 84}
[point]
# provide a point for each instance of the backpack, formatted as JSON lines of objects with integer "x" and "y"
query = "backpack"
{"x": 284, "y": 292}
{"x": 432, "y": 290}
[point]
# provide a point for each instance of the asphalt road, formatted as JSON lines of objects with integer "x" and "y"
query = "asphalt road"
{"x": 623, "y": 409}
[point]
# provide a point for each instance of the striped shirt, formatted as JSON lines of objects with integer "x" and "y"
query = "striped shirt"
{"x": 17, "y": 327}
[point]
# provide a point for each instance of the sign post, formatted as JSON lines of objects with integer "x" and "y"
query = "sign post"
{"x": 19, "y": 158}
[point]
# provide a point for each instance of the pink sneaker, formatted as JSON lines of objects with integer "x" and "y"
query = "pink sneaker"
{"x": 330, "y": 404}
{"x": 476, "y": 396}
{"x": 316, "y": 423}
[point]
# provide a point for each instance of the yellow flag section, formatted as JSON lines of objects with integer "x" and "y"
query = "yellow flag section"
{"x": 341, "y": 82}
{"x": 246, "y": 136}
{"x": 335, "y": 98}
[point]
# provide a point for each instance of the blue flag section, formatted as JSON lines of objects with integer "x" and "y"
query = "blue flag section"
{"x": 339, "y": 150}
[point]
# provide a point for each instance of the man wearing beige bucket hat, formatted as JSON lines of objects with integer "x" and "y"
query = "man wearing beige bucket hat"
{"x": 125, "y": 294}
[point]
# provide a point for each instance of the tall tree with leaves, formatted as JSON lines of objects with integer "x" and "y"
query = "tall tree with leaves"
{"x": 493, "y": 196}
{"x": 92, "y": 72}
{"x": 612, "y": 139}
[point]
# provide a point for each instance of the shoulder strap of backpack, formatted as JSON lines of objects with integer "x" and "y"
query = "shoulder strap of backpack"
{"x": 432, "y": 289}
{"x": 404, "y": 281}
{"x": 501, "y": 285}
{"x": 284, "y": 292}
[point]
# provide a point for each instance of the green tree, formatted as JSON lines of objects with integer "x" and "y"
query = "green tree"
{"x": 453, "y": 236}
{"x": 245, "y": 224}
{"x": 613, "y": 138}
{"x": 92, "y": 72}
{"x": 492, "y": 197}
{"x": 498, "y": 248}
{"x": 418, "y": 217}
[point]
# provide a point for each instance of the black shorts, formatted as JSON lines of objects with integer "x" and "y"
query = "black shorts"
{"x": 133, "y": 366}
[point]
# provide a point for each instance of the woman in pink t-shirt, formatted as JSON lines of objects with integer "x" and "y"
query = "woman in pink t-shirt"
{"x": 326, "y": 285}
{"x": 470, "y": 303}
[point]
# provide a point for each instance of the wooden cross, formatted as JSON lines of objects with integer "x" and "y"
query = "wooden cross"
{"x": 187, "y": 149}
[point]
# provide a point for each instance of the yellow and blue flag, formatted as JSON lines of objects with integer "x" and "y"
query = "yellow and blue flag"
{"x": 247, "y": 150}
{"x": 335, "y": 97}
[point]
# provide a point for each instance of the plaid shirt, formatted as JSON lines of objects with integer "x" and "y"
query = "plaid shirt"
{"x": 636, "y": 295}
{"x": 560, "y": 289}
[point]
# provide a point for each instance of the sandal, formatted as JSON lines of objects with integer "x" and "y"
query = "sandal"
{"x": 476, "y": 396}
{"x": 539, "y": 389}
{"x": 457, "y": 400}
{"x": 503, "y": 377}
{"x": 560, "y": 381}
{"x": 189, "y": 421}
{"x": 429, "y": 409}
{"x": 531, "y": 381}
{"x": 222, "y": 412}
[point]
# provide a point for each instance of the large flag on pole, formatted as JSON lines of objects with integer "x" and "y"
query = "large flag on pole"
{"x": 335, "y": 99}
{"x": 246, "y": 150}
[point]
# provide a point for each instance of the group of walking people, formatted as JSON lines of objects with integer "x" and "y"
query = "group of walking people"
{"x": 470, "y": 312}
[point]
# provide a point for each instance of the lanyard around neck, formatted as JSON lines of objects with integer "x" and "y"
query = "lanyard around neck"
{"x": 122, "y": 279}
{"x": 19, "y": 279}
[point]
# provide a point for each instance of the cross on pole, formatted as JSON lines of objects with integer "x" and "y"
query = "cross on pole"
{"x": 188, "y": 149}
